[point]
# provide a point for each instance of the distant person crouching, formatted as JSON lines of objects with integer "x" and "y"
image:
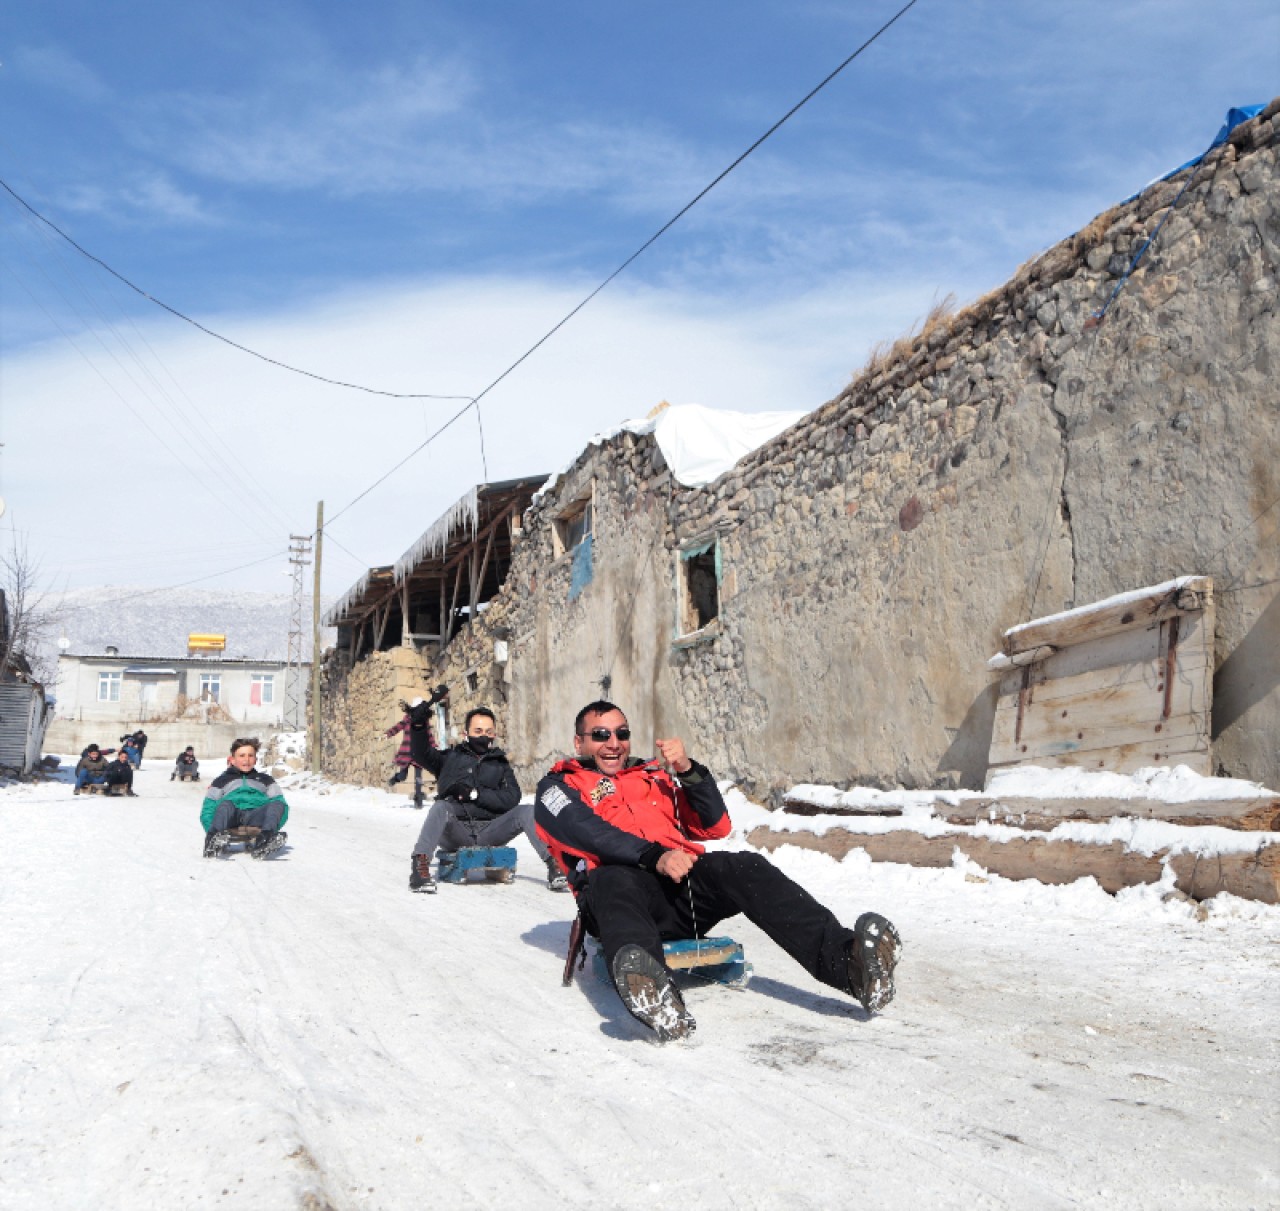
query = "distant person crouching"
{"x": 120, "y": 773}
{"x": 91, "y": 769}
{"x": 186, "y": 766}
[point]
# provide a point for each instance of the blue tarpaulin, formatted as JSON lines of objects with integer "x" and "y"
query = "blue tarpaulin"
{"x": 580, "y": 569}
{"x": 1235, "y": 115}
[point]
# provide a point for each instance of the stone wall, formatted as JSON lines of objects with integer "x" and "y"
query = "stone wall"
{"x": 359, "y": 704}
{"x": 1007, "y": 462}
{"x": 212, "y": 741}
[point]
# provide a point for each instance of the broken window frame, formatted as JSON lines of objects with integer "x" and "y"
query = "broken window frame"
{"x": 691, "y": 625}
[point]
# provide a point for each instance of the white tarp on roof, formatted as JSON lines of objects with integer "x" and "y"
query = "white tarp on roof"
{"x": 699, "y": 444}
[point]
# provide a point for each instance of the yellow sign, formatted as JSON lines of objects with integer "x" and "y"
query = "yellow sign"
{"x": 206, "y": 643}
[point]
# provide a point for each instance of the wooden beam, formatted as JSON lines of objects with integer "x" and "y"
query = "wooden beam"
{"x": 1092, "y": 622}
{"x": 453, "y": 607}
{"x": 1254, "y": 876}
{"x": 380, "y": 624}
{"x": 1253, "y": 813}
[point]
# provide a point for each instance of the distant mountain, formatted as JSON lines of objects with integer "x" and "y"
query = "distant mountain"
{"x": 156, "y": 622}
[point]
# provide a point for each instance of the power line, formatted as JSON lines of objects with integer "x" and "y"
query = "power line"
{"x": 688, "y": 206}
{"x": 249, "y": 497}
{"x": 262, "y": 357}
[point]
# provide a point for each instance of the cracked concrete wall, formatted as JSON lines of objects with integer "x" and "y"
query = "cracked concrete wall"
{"x": 1008, "y": 462}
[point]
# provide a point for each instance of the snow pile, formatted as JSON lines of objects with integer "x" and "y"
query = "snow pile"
{"x": 1179, "y": 784}
{"x": 917, "y": 811}
{"x": 868, "y": 799}
{"x": 699, "y": 444}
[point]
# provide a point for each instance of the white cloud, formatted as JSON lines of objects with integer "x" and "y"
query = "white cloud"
{"x": 55, "y": 68}
{"x": 149, "y": 197}
{"x": 297, "y": 442}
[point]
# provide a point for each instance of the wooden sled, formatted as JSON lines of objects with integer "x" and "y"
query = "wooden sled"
{"x": 710, "y": 960}
{"x": 496, "y": 862}
{"x": 245, "y": 834}
{"x": 188, "y": 778}
{"x": 116, "y": 790}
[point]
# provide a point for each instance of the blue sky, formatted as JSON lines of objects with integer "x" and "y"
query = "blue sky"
{"x": 407, "y": 195}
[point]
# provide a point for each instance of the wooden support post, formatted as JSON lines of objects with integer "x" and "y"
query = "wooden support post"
{"x": 453, "y": 606}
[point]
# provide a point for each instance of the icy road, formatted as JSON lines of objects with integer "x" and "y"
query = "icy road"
{"x": 305, "y": 1033}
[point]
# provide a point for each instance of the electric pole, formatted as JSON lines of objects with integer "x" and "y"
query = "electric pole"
{"x": 313, "y": 740}
{"x": 294, "y": 691}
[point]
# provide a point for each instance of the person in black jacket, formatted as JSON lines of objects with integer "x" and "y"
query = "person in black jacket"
{"x": 120, "y": 773}
{"x": 477, "y": 803}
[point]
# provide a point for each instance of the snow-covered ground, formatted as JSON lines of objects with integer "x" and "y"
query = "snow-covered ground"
{"x": 305, "y": 1033}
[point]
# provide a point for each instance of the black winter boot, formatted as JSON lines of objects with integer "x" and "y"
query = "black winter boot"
{"x": 648, "y": 992}
{"x": 215, "y": 843}
{"x": 556, "y": 879}
{"x": 268, "y": 843}
{"x": 872, "y": 954}
{"x": 420, "y": 874}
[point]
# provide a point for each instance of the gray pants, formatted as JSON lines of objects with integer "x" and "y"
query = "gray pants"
{"x": 266, "y": 817}
{"x": 446, "y": 828}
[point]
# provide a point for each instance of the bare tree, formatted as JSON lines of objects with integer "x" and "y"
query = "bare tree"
{"x": 26, "y": 617}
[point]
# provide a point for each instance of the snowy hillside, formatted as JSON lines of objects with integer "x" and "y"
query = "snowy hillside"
{"x": 305, "y": 1033}
{"x": 156, "y": 622}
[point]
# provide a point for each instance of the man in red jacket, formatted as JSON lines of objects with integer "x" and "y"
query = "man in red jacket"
{"x": 626, "y": 832}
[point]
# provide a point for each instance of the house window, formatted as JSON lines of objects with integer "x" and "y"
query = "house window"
{"x": 210, "y": 687}
{"x": 699, "y": 585}
{"x": 573, "y": 526}
{"x": 262, "y": 691}
{"x": 108, "y": 687}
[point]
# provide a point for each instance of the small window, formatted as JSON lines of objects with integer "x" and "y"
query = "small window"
{"x": 210, "y": 687}
{"x": 473, "y": 682}
{"x": 699, "y": 587}
{"x": 108, "y": 687}
{"x": 262, "y": 692}
{"x": 573, "y": 526}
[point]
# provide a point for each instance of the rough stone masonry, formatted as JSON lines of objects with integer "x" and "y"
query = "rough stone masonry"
{"x": 1008, "y": 461}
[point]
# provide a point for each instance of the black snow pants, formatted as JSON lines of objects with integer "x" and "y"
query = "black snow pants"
{"x": 629, "y": 905}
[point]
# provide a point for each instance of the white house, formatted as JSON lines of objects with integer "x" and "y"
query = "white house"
{"x": 116, "y": 689}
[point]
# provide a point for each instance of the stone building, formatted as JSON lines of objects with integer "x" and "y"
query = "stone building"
{"x": 824, "y": 611}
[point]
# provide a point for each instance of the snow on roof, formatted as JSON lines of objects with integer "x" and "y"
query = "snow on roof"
{"x": 699, "y": 444}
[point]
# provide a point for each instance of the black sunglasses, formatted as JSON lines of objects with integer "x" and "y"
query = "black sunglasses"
{"x": 601, "y": 734}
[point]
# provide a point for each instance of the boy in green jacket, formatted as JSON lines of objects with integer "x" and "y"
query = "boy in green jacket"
{"x": 244, "y": 795}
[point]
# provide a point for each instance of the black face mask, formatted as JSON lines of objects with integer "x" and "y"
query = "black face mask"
{"x": 480, "y": 744}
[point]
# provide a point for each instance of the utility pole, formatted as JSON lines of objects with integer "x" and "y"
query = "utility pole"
{"x": 313, "y": 740}
{"x": 294, "y": 692}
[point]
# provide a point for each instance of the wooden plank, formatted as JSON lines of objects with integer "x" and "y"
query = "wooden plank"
{"x": 799, "y": 807}
{"x": 1116, "y": 660}
{"x": 1258, "y": 814}
{"x": 1253, "y": 876}
{"x": 1091, "y": 622}
{"x": 1127, "y": 758}
{"x": 1107, "y": 704}
{"x": 1110, "y": 725}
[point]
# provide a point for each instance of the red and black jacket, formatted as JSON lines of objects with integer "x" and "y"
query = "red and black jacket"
{"x": 590, "y": 819}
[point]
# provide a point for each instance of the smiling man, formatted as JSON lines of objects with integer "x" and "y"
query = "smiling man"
{"x": 627, "y": 833}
